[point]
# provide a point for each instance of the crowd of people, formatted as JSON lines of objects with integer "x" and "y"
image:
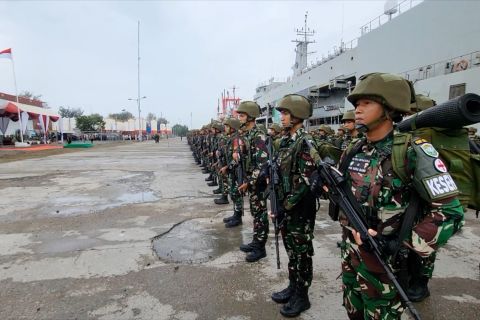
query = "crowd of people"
{"x": 408, "y": 219}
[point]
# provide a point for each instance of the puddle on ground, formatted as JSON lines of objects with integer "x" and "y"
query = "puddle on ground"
{"x": 196, "y": 241}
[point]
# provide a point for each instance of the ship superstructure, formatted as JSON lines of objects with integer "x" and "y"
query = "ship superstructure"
{"x": 432, "y": 43}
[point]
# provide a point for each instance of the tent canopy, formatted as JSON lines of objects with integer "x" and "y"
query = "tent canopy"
{"x": 10, "y": 109}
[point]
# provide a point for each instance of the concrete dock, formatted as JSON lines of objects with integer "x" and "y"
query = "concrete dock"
{"x": 131, "y": 232}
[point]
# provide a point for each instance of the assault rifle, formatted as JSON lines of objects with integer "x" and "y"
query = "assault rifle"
{"x": 339, "y": 193}
{"x": 273, "y": 182}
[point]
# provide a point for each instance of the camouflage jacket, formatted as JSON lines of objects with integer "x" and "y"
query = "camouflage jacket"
{"x": 296, "y": 166}
{"x": 255, "y": 154}
{"x": 385, "y": 197}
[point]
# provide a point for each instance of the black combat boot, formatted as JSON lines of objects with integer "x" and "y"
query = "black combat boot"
{"x": 227, "y": 219}
{"x": 248, "y": 247}
{"x": 418, "y": 289}
{"x": 222, "y": 200}
{"x": 212, "y": 184}
{"x": 298, "y": 303}
{"x": 235, "y": 221}
{"x": 209, "y": 178}
{"x": 217, "y": 191}
{"x": 284, "y": 295}
{"x": 257, "y": 253}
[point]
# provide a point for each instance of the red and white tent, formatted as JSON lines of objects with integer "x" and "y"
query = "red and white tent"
{"x": 10, "y": 111}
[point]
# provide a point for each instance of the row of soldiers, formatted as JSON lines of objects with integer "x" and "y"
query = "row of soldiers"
{"x": 236, "y": 156}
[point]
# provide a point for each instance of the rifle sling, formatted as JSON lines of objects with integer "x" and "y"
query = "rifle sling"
{"x": 333, "y": 208}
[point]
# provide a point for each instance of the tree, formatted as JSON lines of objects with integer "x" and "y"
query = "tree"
{"x": 67, "y": 112}
{"x": 179, "y": 130}
{"x": 93, "y": 122}
{"x": 162, "y": 120}
{"x": 29, "y": 95}
{"x": 124, "y": 116}
{"x": 150, "y": 117}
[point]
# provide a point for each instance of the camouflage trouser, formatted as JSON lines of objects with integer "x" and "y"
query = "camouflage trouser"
{"x": 367, "y": 291}
{"x": 258, "y": 209}
{"x": 237, "y": 199}
{"x": 223, "y": 183}
{"x": 297, "y": 236}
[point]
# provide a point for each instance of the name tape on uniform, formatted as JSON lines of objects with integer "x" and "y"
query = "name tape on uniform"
{"x": 440, "y": 186}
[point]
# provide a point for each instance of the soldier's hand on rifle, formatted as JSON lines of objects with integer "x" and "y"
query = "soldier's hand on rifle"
{"x": 223, "y": 170}
{"x": 280, "y": 214}
{"x": 236, "y": 156}
{"x": 316, "y": 184}
{"x": 358, "y": 238}
{"x": 243, "y": 187}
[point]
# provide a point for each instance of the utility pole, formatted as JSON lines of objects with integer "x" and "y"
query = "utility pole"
{"x": 138, "y": 96}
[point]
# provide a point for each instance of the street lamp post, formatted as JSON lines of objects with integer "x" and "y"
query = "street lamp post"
{"x": 139, "y": 118}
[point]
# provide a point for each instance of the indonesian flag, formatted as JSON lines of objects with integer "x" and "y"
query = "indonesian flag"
{"x": 7, "y": 53}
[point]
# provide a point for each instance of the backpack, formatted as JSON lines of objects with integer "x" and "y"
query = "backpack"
{"x": 454, "y": 149}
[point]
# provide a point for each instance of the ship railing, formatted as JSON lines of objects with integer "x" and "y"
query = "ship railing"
{"x": 456, "y": 64}
{"x": 384, "y": 18}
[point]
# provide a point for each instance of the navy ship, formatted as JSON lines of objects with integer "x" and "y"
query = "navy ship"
{"x": 434, "y": 44}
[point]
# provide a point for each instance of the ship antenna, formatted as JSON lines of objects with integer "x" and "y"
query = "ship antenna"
{"x": 301, "y": 61}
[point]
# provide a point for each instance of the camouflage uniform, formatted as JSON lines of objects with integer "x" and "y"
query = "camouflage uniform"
{"x": 298, "y": 204}
{"x": 232, "y": 146}
{"x": 256, "y": 155}
{"x": 296, "y": 166}
{"x": 367, "y": 291}
{"x": 385, "y": 197}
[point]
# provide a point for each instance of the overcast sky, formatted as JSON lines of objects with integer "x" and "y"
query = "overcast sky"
{"x": 83, "y": 54}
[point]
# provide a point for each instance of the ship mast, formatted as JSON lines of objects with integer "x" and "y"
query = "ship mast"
{"x": 301, "y": 61}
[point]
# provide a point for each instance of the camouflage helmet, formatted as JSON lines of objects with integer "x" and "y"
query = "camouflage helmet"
{"x": 327, "y": 129}
{"x": 421, "y": 103}
{"x": 217, "y": 125}
{"x": 343, "y": 128}
{"x": 262, "y": 127}
{"x": 393, "y": 91}
{"x": 348, "y": 115}
{"x": 251, "y": 108}
{"x": 275, "y": 127}
{"x": 232, "y": 123}
{"x": 297, "y": 105}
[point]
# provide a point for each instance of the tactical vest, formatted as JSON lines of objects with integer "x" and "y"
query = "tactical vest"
{"x": 249, "y": 140}
{"x": 286, "y": 159}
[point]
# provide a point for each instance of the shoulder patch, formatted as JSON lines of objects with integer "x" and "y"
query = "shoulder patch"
{"x": 419, "y": 141}
{"x": 429, "y": 150}
{"x": 439, "y": 165}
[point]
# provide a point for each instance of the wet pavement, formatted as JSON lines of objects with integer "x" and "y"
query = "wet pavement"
{"x": 131, "y": 232}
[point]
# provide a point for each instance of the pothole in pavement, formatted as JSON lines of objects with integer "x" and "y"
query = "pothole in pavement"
{"x": 196, "y": 241}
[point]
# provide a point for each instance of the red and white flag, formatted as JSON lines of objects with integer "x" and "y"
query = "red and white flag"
{"x": 7, "y": 53}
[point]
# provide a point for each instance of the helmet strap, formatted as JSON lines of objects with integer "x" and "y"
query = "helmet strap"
{"x": 363, "y": 128}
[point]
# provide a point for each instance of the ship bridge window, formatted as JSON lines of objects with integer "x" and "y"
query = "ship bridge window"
{"x": 456, "y": 90}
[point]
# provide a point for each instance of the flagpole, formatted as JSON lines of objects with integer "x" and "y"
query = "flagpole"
{"x": 16, "y": 95}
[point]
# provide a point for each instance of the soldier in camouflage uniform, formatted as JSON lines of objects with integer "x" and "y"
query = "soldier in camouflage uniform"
{"x": 341, "y": 138}
{"x": 215, "y": 130}
{"x": 348, "y": 121}
{"x": 275, "y": 131}
{"x": 256, "y": 155}
{"x": 380, "y": 100}
{"x": 229, "y": 170}
{"x": 297, "y": 204}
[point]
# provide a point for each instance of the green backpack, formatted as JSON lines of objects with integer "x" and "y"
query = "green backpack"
{"x": 454, "y": 149}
